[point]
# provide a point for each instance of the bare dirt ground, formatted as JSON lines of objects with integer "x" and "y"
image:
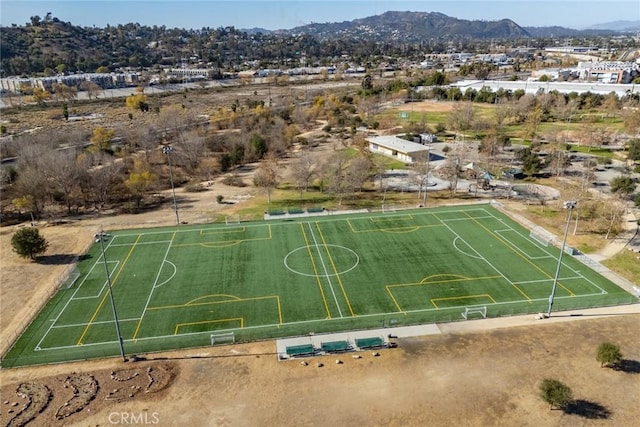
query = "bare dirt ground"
{"x": 462, "y": 377}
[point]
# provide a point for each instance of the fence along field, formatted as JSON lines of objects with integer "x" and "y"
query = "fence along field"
{"x": 177, "y": 287}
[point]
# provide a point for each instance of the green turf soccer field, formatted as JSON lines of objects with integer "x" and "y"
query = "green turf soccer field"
{"x": 175, "y": 287}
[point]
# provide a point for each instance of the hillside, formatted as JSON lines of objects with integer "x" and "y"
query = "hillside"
{"x": 412, "y": 27}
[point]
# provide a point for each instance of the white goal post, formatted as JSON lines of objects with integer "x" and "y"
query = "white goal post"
{"x": 223, "y": 338}
{"x": 482, "y": 311}
{"x": 541, "y": 236}
{"x": 388, "y": 208}
{"x": 232, "y": 219}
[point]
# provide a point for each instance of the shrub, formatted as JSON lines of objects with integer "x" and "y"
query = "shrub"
{"x": 608, "y": 354}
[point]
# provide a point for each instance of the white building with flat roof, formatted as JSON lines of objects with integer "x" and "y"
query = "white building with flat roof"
{"x": 397, "y": 148}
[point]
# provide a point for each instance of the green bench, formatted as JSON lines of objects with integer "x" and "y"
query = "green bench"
{"x": 300, "y": 350}
{"x": 335, "y": 346}
{"x": 365, "y": 343}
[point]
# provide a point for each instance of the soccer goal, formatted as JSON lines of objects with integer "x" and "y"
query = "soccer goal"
{"x": 482, "y": 311}
{"x": 541, "y": 236}
{"x": 389, "y": 208}
{"x": 71, "y": 280}
{"x": 223, "y": 338}
{"x": 232, "y": 219}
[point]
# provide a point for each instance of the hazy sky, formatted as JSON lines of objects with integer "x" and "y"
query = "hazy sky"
{"x": 271, "y": 14}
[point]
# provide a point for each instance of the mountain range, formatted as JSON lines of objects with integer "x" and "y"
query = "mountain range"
{"x": 411, "y": 27}
{"x": 626, "y": 26}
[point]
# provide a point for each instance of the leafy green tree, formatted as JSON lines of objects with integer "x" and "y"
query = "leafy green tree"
{"x": 531, "y": 163}
{"x": 623, "y": 186}
{"x": 608, "y": 354}
{"x": 258, "y": 146}
{"x": 29, "y": 243}
{"x": 637, "y": 200}
{"x": 367, "y": 83}
{"x": 555, "y": 393}
{"x": 634, "y": 150}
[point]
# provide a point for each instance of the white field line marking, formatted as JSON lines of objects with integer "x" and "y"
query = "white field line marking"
{"x": 117, "y": 263}
{"x": 517, "y": 247}
{"x": 302, "y": 322}
{"x": 94, "y": 323}
{"x": 548, "y": 280}
{"x": 324, "y": 267}
{"x": 175, "y": 271}
{"x": 144, "y": 243}
{"x": 602, "y": 291}
{"x": 485, "y": 260}
{"x": 166, "y": 253}
{"x": 72, "y": 296}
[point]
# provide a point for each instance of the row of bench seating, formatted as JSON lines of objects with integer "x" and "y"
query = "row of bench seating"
{"x": 336, "y": 346}
{"x": 294, "y": 211}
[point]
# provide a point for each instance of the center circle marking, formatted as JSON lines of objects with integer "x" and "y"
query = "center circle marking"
{"x": 316, "y": 247}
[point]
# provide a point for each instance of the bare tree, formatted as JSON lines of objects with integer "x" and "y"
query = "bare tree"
{"x": 451, "y": 170}
{"x": 358, "y": 171}
{"x": 303, "y": 169}
{"x": 33, "y": 170}
{"x": 141, "y": 138}
{"x": 266, "y": 177}
{"x": 558, "y": 160}
{"x": 612, "y": 212}
{"x": 92, "y": 89}
{"x": 191, "y": 148}
{"x": 334, "y": 174}
{"x": 421, "y": 166}
{"x": 101, "y": 174}
{"x": 63, "y": 92}
{"x": 63, "y": 172}
{"x": 461, "y": 117}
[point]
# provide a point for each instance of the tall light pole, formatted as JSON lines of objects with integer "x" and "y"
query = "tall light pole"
{"x": 426, "y": 178}
{"x": 168, "y": 150}
{"x": 569, "y": 206}
{"x": 101, "y": 237}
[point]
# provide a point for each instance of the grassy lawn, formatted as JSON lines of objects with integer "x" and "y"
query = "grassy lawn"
{"x": 625, "y": 263}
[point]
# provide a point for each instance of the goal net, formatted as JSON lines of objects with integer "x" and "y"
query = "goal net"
{"x": 482, "y": 311}
{"x": 232, "y": 219}
{"x": 223, "y": 338}
{"x": 71, "y": 279}
{"x": 389, "y": 208}
{"x": 541, "y": 236}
